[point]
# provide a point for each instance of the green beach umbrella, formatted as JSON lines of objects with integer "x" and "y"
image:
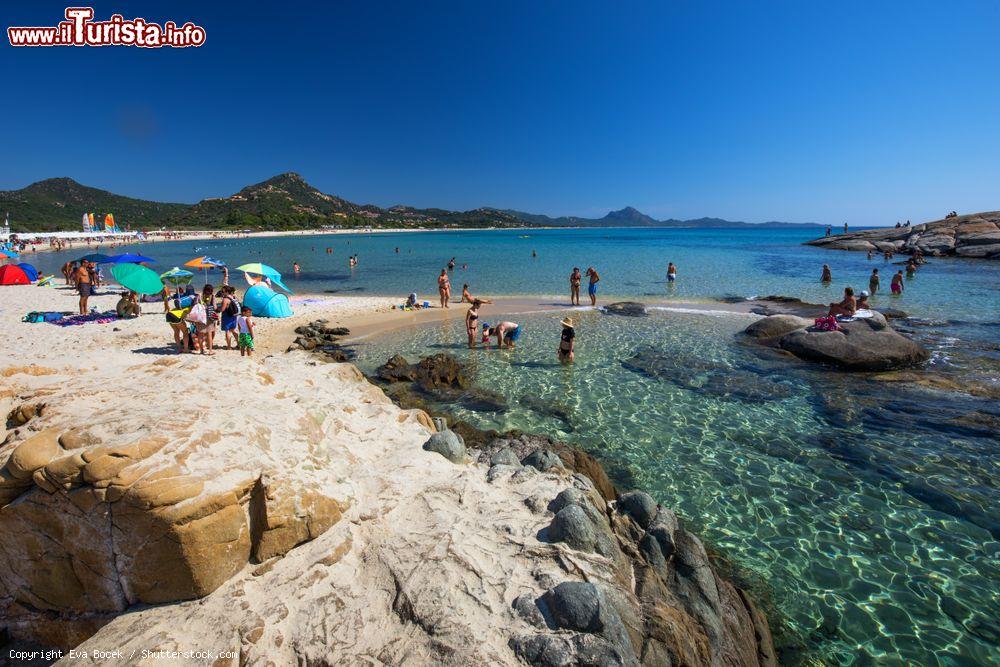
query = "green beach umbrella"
{"x": 177, "y": 276}
{"x": 137, "y": 278}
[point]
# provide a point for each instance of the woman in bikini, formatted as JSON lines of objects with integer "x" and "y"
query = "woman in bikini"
{"x": 444, "y": 288}
{"x": 472, "y": 322}
{"x": 847, "y": 307}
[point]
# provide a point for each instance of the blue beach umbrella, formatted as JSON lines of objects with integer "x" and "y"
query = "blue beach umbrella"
{"x": 10, "y": 254}
{"x": 94, "y": 257}
{"x": 128, "y": 258}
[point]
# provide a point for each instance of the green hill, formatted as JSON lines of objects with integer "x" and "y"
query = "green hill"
{"x": 57, "y": 204}
{"x": 283, "y": 202}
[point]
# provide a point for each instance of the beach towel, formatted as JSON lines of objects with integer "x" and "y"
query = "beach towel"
{"x": 862, "y": 314}
{"x": 828, "y": 323}
{"x": 75, "y": 320}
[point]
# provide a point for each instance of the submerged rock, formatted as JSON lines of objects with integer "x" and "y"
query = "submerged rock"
{"x": 546, "y": 407}
{"x": 396, "y": 369}
{"x": 626, "y": 309}
{"x": 697, "y": 374}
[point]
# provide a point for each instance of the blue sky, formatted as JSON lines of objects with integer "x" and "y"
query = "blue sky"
{"x": 799, "y": 111}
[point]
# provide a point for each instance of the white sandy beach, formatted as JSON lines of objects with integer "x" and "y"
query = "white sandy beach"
{"x": 315, "y": 435}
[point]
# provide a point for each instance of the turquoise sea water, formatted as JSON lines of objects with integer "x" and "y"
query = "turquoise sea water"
{"x": 631, "y": 262}
{"x": 870, "y": 509}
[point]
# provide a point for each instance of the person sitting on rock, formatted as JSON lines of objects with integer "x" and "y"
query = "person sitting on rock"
{"x": 845, "y": 308}
{"x": 863, "y": 301}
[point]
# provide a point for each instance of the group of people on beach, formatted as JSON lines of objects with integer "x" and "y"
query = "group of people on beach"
{"x": 195, "y": 317}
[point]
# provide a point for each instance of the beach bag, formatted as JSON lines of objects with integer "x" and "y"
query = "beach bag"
{"x": 197, "y": 314}
{"x": 828, "y": 323}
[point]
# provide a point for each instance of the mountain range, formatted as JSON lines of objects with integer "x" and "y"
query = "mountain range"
{"x": 286, "y": 201}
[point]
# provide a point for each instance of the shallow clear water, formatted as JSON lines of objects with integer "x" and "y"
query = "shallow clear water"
{"x": 870, "y": 509}
{"x": 859, "y": 524}
{"x": 632, "y": 262}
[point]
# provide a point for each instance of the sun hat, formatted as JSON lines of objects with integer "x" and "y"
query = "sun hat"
{"x": 567, "y": 322}
{"x": 864, "y": 292}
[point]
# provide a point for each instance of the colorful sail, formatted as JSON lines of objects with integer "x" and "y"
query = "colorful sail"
{"x": 90, "y": 218}
{"x": 109, "y": 223}
{"x": 86, "y": 222}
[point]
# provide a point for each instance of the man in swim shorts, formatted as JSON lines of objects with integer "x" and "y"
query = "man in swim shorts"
{"x": 83, "y": 285}
{"x": 592, "y": 287}
{"x": 507, "y": 334}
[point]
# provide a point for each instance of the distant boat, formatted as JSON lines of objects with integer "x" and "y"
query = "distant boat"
{"x": 524, "y": 236}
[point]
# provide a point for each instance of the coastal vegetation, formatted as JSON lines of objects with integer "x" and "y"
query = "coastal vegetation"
{"x": 285, "y": 202}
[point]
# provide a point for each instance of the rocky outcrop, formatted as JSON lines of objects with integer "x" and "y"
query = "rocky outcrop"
{"x": 322, "y": 339}
{"x": 976, "y": 235}
{"x": 867, "y": 344}
{"x": 317, "y": 523}
{"x": 518, "y": 561}
{"x": 100, "y": 512}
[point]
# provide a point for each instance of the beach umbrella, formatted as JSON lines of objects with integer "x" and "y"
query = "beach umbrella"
{"x": 268, "y": 272}
{"x": 177, "y": 277}
{"x": 10, "y": 254}
{"x": 128, "y": 258}
{"x": 205, "y": 262}
{"x": 137, "y": 278}
{"x": 94, "y": 257}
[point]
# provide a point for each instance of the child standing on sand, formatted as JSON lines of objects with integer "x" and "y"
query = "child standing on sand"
{"x": 244, "y": 332}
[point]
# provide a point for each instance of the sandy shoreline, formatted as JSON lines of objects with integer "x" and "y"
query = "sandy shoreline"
{"x": 282, "y": 508}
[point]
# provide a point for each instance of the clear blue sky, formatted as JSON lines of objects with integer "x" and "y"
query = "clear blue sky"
{"x": 801, "y": 111}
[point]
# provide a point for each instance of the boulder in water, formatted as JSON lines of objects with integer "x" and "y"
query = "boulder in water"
{"x": 862, "y": 345}
{"x": 397, "y": 369}
{"x": 776, "y": 325}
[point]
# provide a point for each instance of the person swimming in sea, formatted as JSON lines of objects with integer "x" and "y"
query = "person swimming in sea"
{"x": 827, "y": 276}
{"x": 451, "y": 264}
{"x": 296, "y": 268}
{"x": 896, "y": 287}
{"x": 873, "y": 282}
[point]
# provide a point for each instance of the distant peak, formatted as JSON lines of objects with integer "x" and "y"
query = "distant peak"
{"x": 630, "y": 214}
{"x": 288, "y": 176}
{"x": 59, "y": 180}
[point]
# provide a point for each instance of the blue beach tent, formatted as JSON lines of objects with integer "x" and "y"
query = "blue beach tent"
{"x": 29, "y": 271}
{"x": 265, "y": 302}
